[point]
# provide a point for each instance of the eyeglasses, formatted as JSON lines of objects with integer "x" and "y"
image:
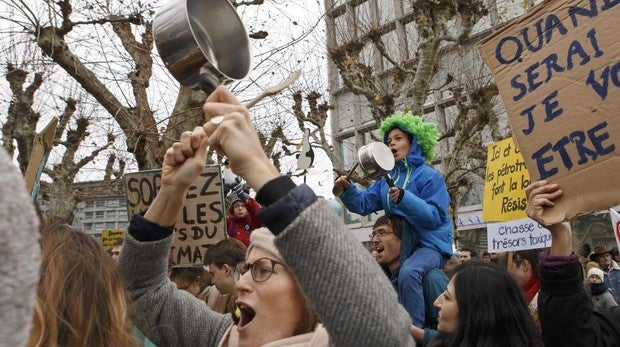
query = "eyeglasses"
{"x": 261, "y": 269}
{"x": 380, "y": 233}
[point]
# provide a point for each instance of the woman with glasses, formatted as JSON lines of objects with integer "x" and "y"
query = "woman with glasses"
{"x": 306, "y": 268}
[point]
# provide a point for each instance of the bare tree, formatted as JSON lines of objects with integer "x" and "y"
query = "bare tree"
{"x": 71, "y": 133}
{"x": 397, "y": 71}
{"x": 107, "y": 48}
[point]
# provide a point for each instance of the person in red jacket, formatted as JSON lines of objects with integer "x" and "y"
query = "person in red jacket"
{"x": 241, "y": 219}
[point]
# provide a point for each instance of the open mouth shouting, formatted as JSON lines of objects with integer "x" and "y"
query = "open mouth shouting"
{"x": 379, "y": 249}
{"x": 247, "y": 315}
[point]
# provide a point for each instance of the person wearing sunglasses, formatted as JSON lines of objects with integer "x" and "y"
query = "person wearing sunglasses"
{"x": 306, "y": 267}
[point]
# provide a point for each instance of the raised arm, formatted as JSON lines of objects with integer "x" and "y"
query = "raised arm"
{"x": 183, "y": 162}
{"x": 356, "y": 302}
{"x": 158, "y": 308}
{"x": 566, "y": 314}
{"x": 541, "y": 195}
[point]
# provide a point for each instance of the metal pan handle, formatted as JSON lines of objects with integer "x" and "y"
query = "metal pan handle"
{"x": 389, "y": 180}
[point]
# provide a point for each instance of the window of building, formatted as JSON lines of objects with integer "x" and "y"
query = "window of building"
{"x": 100, "y": 203}
{"x": 88, "y": 226}
{"x": 110, "y": 214}
{"x": 110, "y": 225}
{"x": 90, "y": 203}
{"x": 121, "y": 214}
{"x": 99, "y": 214}
{"x": 88, "y": 215}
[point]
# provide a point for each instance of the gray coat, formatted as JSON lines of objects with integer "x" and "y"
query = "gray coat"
{"x": 603, "y": 301}
{"x": 354, "y": 300}
{"x": 19, "y": 255}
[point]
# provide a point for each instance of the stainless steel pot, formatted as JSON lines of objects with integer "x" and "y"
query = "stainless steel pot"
{"x": 202, "y": 42}
{"x": 375, "y": 159}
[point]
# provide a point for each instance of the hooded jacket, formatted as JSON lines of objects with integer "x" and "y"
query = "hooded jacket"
{"x": 424, "y": 204}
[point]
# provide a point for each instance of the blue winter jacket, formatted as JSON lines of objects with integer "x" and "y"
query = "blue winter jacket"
{"x": 424, "y": 205}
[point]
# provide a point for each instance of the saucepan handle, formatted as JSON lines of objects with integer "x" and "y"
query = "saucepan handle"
{"x": 353, "y": 169}
{"x": 207, "y": 80}
{"x": 389, "y": 180}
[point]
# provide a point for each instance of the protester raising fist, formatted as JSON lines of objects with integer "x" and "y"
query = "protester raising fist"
{"x": 279, "y": 282}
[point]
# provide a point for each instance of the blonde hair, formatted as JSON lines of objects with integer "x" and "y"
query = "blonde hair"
{"x": 81, "y": 297}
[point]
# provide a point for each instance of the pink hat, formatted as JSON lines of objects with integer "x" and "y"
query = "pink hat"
{"x": 264, "y": 239}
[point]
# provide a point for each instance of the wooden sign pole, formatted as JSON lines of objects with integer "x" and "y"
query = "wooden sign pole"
{"x": 42, "y": 145}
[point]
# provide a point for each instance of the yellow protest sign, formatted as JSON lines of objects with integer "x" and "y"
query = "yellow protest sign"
{"x": 505, "y": 181}
{"x": 202, "y": 221}
{"x": 108, "y": 236}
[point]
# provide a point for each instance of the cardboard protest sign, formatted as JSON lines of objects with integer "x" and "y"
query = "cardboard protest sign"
{"x": 505, "y": 181}
{"x": 517, "y": 235}
{"x": 108, "y": 236}
{"x": 558, "y": 74}
{"x": 202, "y": 221}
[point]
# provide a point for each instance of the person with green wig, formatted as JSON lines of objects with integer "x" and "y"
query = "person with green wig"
{"x": 420, "y": 197}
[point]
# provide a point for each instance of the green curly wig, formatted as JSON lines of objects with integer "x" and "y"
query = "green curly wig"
{"x": 426, "y": 134}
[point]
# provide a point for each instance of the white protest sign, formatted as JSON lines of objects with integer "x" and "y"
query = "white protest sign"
{"x": 517, "y": 235}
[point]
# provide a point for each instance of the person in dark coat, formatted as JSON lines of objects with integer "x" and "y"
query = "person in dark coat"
{"x": 566, "y": 313}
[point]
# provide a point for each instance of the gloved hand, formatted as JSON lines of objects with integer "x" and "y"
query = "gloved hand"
{"x": 238, "y": 189}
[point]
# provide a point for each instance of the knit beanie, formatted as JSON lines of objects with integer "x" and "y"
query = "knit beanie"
{"x": 264, "y": 239}
{"x": 235, "y": 198}
{"x": 596, "y": 271}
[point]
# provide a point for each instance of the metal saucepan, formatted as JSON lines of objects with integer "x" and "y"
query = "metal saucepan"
{"x": 202, "y": 42}
{"x": 376, "y": 160}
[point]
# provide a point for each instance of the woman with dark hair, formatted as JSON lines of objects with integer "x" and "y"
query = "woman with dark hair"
{"x": 188, "y": 279}
{"x": 483, "y": 306}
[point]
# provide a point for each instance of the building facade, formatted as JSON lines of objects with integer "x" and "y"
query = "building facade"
{"x": 101, "y": 213}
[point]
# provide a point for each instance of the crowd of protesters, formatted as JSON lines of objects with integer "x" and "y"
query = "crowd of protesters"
{"x": 290, "y": 273}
